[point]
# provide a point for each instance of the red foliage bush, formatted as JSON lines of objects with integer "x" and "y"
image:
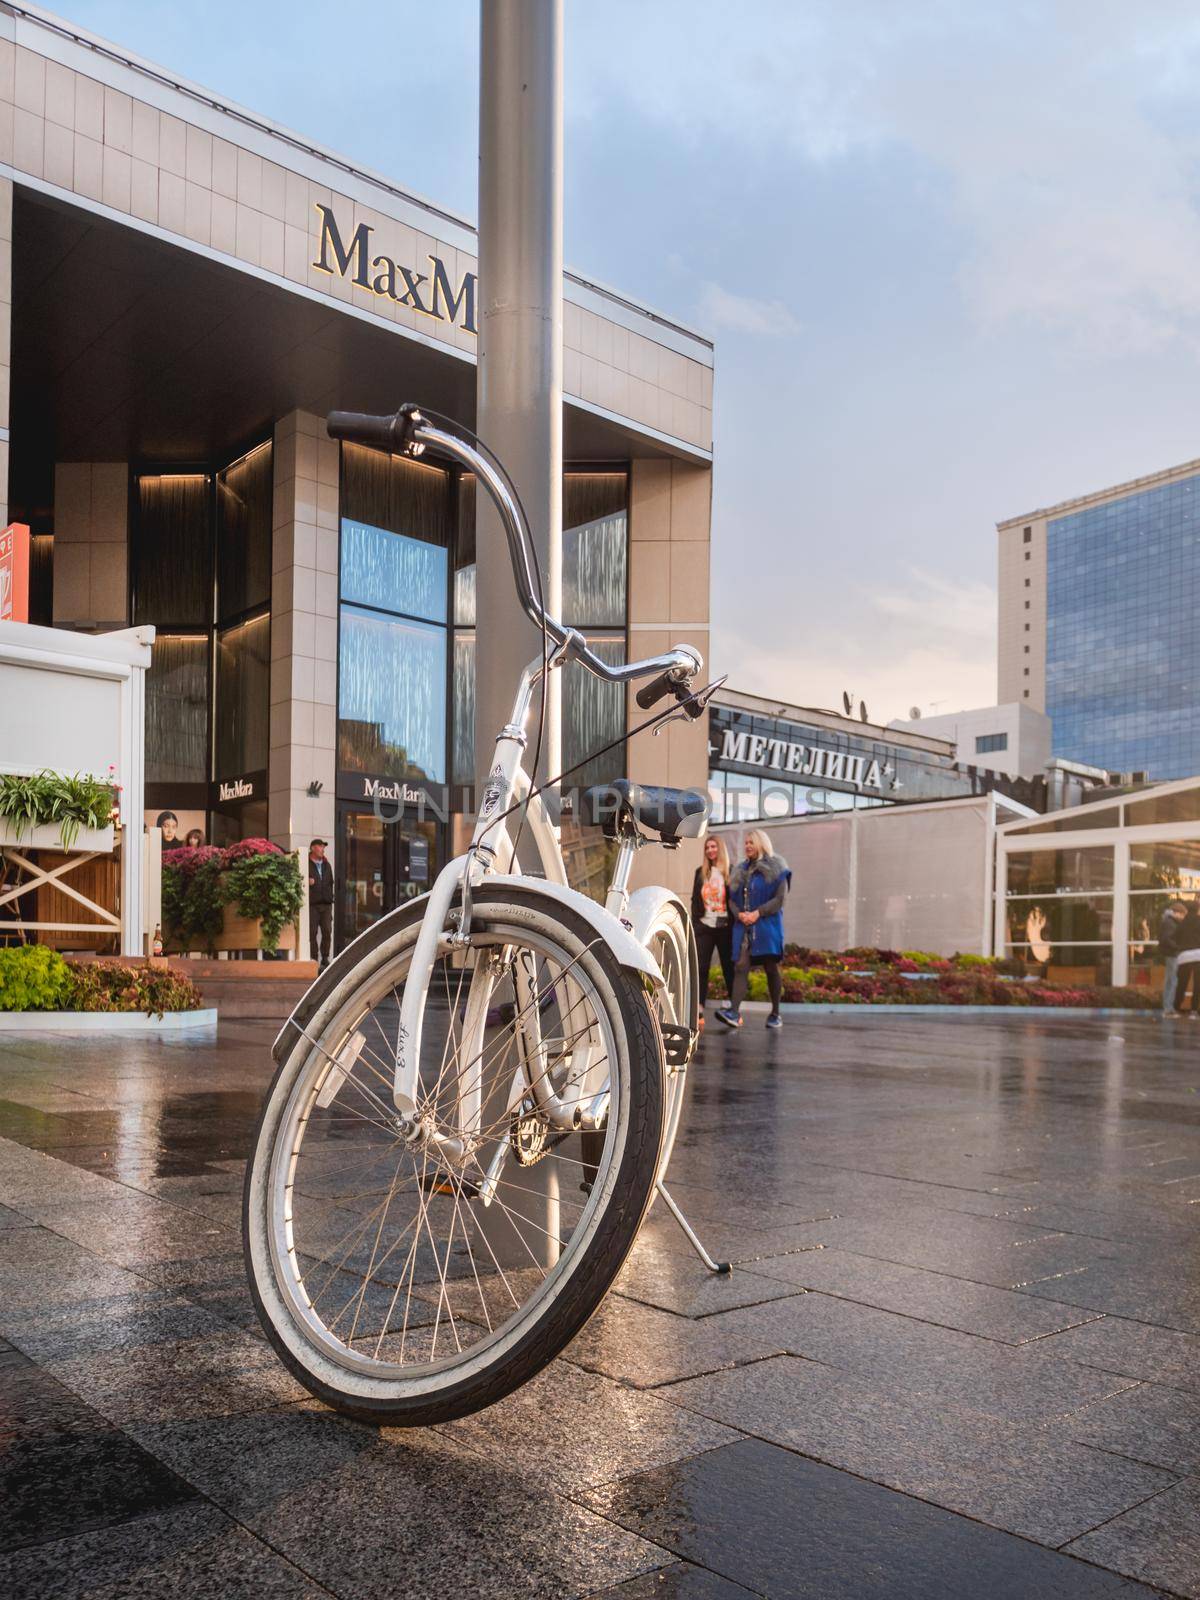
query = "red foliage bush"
{"x": 250, "y": 847}
{"x": 187, "y": 860}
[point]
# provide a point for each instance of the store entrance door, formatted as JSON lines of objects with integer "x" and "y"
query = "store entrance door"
{"x": 378, "y": 866}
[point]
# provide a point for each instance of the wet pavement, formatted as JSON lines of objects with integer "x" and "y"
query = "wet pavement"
{"x": 959, "y": 1353}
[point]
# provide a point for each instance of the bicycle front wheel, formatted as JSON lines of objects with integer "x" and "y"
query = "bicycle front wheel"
{"x": 411, "y": 1275}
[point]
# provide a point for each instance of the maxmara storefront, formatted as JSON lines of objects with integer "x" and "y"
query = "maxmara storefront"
{"x": 185, "y": 290}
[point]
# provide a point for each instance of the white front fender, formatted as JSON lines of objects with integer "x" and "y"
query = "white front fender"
{"x": 626, "y": 946}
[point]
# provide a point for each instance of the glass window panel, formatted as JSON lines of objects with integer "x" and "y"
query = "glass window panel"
{"x": 243, "y": 698}
{"x": 741, "y": 797}
{"x": 1060, "y": 871}
{"x": 716, "y": 796}
{"x": 593, "y": 714}
{"x": 1076, "y": 919}
{"x": 177, "y": 710}
{"x": 776, "y": 798}
{"x": 392, "y": 697}
{"x": 1067, "y": 963}
{"x": 1076, "y": 819}
{"x": 171, "y": 555}
{"x": 244, "y": 534}
{"x": 1183, "y": 806}
{"x": 1171, "y": 864}
{"x": 401, "y": 496}
{"x": 595, "y": 547}
{"x": 464, "y": 553}
{"x": 393, "y": 571}
{"x": 463, "y": 699}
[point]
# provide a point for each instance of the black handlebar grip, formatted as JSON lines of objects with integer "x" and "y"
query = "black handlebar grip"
{"x": 387, "y": 433}
{"x": 653, "y": 692}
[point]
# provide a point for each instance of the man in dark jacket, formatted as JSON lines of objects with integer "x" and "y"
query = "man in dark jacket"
{"x": 320, "y": 904}
{"x": 1169, "y": 931}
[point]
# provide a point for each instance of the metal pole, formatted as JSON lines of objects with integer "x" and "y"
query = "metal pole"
{"x": 519, "y": 415}
{"x": 519, "y": 385}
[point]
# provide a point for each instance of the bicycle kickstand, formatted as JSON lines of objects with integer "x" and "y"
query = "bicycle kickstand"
{"x": 721, "y": 1268}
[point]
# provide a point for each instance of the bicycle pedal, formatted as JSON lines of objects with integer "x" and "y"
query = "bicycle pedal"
{"x": 677, "y": 1044}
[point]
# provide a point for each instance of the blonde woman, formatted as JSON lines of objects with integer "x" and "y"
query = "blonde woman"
{"x": 757, "y": 890}
{"x": 710, "y": 916}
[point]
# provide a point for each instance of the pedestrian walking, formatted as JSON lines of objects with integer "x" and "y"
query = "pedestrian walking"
{"x": 758, "y": 887}
{"x": 320, "y": 904}
{"x": 711, "y": 919}
{"x": 1169, "y": 928}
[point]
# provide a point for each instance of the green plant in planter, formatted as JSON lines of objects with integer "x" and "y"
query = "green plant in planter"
{"x": 72, "y": 801}
{"x": 33, "y": 978}
{"x": 193, "y": 903}
{"x": 266, "y": 887}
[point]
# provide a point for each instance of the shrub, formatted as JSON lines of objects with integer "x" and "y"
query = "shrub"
{"x": 256, "y": 876}
{"x": 268, "y": 887}
{"x": 73, "y": 801}
{"x": 114, "y": 986}
{"x": 251, "y": 847}
{"x": 33, "y": 978}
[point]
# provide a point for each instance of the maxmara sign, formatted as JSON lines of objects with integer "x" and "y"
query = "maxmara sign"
{"x": 351, "y": 255}
{"x": 801, "y": 760}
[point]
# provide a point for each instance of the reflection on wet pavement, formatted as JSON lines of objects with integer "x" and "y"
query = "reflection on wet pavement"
{"x": 959, "y": 1353}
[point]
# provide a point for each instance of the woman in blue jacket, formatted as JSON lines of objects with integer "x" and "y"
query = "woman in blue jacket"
{"x": 757, "y": 890}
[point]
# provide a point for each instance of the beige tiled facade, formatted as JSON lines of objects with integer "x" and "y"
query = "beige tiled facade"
{"x": 91, "y": 522}
{"x": 669, "y": 510}
{"x": 304, "y": 604}
{"x": 209, "y": 181}
{"x": 98, "y": 129}
{"x": 1021, "y": 619}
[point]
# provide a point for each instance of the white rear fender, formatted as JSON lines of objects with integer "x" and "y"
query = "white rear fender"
{"x": 646, "y": 905}
{"x": 627, "y": 948}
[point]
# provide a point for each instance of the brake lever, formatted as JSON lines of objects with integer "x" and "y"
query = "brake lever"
{"x": 698, "y": 699}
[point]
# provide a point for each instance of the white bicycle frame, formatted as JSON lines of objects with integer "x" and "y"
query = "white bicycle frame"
{"x": 491, "y": 855}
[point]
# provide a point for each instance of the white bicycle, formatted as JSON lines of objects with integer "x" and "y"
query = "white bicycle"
{"x": 474, "y": 1104}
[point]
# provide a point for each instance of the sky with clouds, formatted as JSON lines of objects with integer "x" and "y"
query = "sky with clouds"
{"x": 949, "y": 252}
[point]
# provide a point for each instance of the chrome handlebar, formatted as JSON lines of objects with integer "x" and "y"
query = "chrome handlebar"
{"x": 409, "y": 433}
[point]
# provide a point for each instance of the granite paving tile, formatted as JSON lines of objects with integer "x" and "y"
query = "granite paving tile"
{"x": 1145, "y": 1423}
{"x": 131, "y": 1229}
{"x": 643, "y": 1346}
{"x": 680, "y": 1283}
{"x": 933, "y": 1297}
{"x": 800, "y": 1530}
{"x": 1010, "y": 1476}
{"x": 680, "y": 1581}
{"x": 208, "y": 1374}
{"x": 577, "y": 1428}
{"x": 903, "y": 1354}
{"x": 192, "y": 1552}
{"x": 1167, "y": 1298}
{"x": 1133, "y": 1349}
{"x": 1157, "y": 1542}
{"x": 107, "y": 1324}
{"x": 354, "y": 1507}
{"x": 63, "y": 1468}
{"x": 216, "y": 1283}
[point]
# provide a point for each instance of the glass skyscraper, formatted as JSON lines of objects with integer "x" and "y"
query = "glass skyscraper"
{"x": 1122, "y": 641}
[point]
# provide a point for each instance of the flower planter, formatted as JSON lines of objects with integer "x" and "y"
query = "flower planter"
{"x": 48, "y": 836}
{"x": 244, "y": 933}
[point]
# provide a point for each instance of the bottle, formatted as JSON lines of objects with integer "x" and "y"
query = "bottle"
{"x": 156, "y": 948}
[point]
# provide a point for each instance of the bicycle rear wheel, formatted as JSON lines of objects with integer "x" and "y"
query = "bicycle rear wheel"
{"x": 408, "y": 1279}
